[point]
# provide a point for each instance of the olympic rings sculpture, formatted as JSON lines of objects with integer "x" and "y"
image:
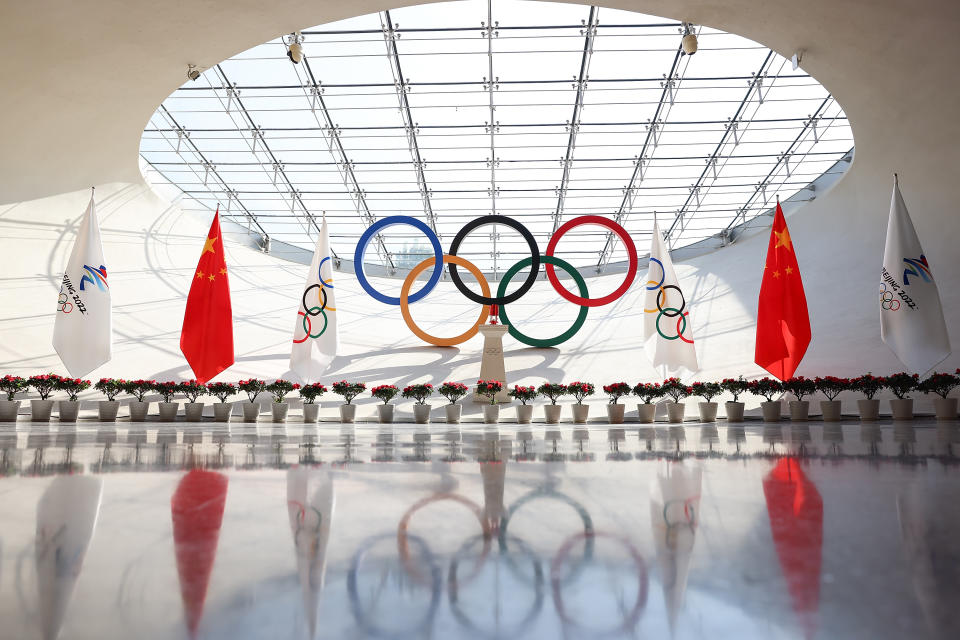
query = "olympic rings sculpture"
{"x": 502, "y": 298}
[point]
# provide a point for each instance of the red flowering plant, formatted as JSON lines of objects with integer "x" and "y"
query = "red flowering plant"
{"x": 280, "y": 388}
{"x": 831, "y": 386}
{"x": 385, "y": 392}
{"x": 11, "y": 385}
{"x": 616, "y": 390}
{"x": 902, "y": 384}
{"x": 674, "y": 388}
{"x": 192, "y": 389}
{"x": 349, "y": 390}
{"x": 735, "y": 386}
{"x": 939, "y": 383}
{"x": 706, "y": 390}
{"x": 419, "y": 391}
{"x": 580, "y": 390}
{"x": 648, "y": 391}
{"x": 310, "y": 392}
{"x": 800, "y": 386}
{"x": 453, "y": 391}
{"x": 868, "y": 385}
{"x": 766, "y": 387}
{"x": 72, "y": 387}
{"x": 139, "y": 388}
{"x": 252, "y": 387}
{"x": 166, "y": 389}
{"x": 109, "y": 387}
{"x": 489, "y": 389}
{"x": 221, "y": 390}
{"x": 552, "y": 390}
{"x": 523, "y": 394}
{"x": 44, "y": 385}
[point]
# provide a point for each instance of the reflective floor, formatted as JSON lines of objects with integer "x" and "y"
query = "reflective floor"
{"x": 404, "y": 531}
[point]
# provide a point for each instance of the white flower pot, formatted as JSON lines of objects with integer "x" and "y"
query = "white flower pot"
{"x": 8, "y": 410}
{"x": 524, "y": 413}
{"x": 771, "y": 410}
{"x": 385, "y": 413}
{"x": 138, "y": 411}
{"x": 901, "y": 408}
{"x": 830, "y": 410}
{"x": 491, "y": 413}
{"x": 708, "y": 411}
{"x": 580, "y": 412}
{"x": 734, "y": 411}
{"x": 68, "y": 410}
{"x": 800, "y": 410}
{"x": 107, "y": 410}
{"x": 251, "y": 411}
{"x": 615, "y": 413}
{"x": 168, "y": 411}
{"x": 421, "y": 413}
{"x": 946, "y": 408}
{"x": 675, "y": 411}
{"x": 311, "y": 411}
{"x": 347, "y": 413}
{"x": 552, "y": 413}
{"x": 453, "y": 413}
{"x": 869, "y": 409}
{"x": 40, "y": 410}
{"x": 646, "y": 412}
{"x": 193, "y": 411}
{"x": 279, "y": 411}
{"x": 222, "y": 411}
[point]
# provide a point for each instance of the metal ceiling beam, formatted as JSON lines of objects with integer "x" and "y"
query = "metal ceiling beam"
{"x": 491, "y": 83}
{"x": 580, "y": 84}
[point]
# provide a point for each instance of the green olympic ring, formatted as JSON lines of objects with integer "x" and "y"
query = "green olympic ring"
{"x": 566, "y": 335}
{"x": 312, "y": 311}
{"x": 680, "y": 317}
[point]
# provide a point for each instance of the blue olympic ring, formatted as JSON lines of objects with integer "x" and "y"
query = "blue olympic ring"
{"x": 663, "y": 275}
{"x": 320, "y": 274}
{"x": 368, "y": 235}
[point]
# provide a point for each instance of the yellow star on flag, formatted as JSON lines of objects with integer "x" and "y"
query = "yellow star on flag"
{"x": 208, "y": 245}
{"x": 776, "y": 274}
{"x": 211, "y": 277}
{"x": 789, "y": 270}
{"x": 199, "y": 273}
{"x": 783, "y": 238}
{"x": 223, "y": 272}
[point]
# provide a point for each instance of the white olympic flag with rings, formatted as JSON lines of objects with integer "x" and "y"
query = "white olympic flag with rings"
{"x": 315, "y": 338}
{"x": 667, "y": 324}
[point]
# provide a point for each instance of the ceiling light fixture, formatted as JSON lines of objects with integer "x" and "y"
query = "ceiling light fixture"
{"x": 192, "y": 72}
{"x": 295, "y": 47}
{"x": 689, "y": 41}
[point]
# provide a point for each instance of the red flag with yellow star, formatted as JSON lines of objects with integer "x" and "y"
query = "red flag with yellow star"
{"x": 783, "y": 324}
{"x": 207, "y": 336}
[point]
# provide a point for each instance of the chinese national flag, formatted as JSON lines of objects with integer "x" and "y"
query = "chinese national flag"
{"x": 783, "y": 324}
{"x": 207, "y": 336}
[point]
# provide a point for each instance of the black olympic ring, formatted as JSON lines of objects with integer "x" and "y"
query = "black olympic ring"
{"x": 534, "y": 254}
{"x": 309, "y": 309}
{"x": 676, "y": 311}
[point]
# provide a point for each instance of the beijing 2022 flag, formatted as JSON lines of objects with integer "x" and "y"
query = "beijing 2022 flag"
{"x": 667, "y": 328}
{"x": 315, "y": 330}
{"x": 83, "y": 329}
{"x": 911, "y": 318}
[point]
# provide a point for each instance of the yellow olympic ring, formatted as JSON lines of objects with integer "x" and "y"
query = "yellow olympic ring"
{"x": 320, "y": 299}
{"x": 654, "y": 282}
{"x": 405, "y": 307}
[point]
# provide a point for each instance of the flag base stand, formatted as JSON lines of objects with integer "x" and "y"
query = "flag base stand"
{"x": 492, "y": 366}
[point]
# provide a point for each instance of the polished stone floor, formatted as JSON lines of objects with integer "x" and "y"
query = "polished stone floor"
{"x": 407, "y": 531}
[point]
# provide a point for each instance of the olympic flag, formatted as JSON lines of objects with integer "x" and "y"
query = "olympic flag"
{"x": 315, "y": 337}
{"x": 911, "y": 318}
{"x": 667, "y": 328}
{"x": 83, "y": 329}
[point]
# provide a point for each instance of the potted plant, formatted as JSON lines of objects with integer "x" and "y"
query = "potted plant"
{"x": 800, "y": 387}
{"x": 941, "y": 384}
{"x": 349, "y": 391}
{"x": 310, "y": 393}
{"x": 902, "y": 384}
{"x": 648, "y": 392}
{"x": 110, "y": 387}
{"x": 11, "y": 385}
{"x": 192, "y": 409}
{"x": 868, "y": 385}
{"x": 677, "y": 391}
{"x": 579, "y": 391}
{"x": 768, "y": 388}
{"x": 615, "y": 410}
{"x": 385, "y": 392}
{"x": 831, "y": 386}
{"x": 453, "y": 391}
{"x": 167, "y": 407}
{"x": 419, "y": 392}
{"x": 279, "y": 388}
{"x": 139, "y": 390}
{"x": 221, "y": 391}
{"x": 252, "y": 387}
{"x": 554, "y": 392}
{"x": 524, "y": 395}
{"x": 70, "y": 408}
{"x": 44, "y": 385}
{"x": 490, "y": 389}
{"x": 735, "y": 387}
{"x": 707, "y": 391}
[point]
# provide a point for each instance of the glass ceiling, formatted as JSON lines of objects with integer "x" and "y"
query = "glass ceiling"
{"x": 590, "y": 111}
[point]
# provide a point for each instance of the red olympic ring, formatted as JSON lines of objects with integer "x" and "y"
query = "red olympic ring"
{"x": 624, "y": 238}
